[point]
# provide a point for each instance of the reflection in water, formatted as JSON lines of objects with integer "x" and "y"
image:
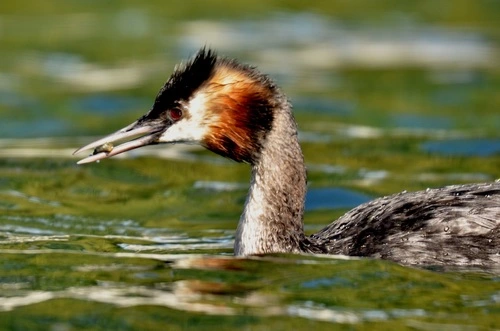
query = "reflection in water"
{"x": 180, "y": 298}
{"x": 188, "y": 295}
{"x": 196, "y": 296}
{"x": 208, "y": 297}
{"x": 346, "y": 316}
{"x": 220, "y": 292}
{"x": 182, "y": 244}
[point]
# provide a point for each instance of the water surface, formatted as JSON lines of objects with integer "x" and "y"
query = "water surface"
{"x": 388, "y": 97}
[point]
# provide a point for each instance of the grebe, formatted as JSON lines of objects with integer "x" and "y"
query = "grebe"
{"x": 235, "y": 111}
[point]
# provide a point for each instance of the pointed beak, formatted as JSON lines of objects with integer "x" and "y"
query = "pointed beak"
{"x": 144, "y": 134}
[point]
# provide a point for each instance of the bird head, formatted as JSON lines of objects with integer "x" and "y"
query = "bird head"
{"x": 218, "y": 103}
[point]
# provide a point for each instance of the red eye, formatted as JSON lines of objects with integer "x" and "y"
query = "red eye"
{"x": 175, "y": 114}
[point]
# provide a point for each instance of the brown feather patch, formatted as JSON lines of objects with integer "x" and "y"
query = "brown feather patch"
{"x": 239, "y": 113}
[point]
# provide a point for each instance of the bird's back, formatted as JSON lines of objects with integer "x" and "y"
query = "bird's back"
{"x": 455, "y": 225}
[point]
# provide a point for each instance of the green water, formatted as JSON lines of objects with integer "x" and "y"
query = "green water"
{"x": 389, "y": 96}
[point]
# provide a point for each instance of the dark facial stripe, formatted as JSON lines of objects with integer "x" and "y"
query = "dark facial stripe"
{"x": 183, "y": 83}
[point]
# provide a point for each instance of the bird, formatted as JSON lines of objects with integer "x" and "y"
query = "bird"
{"x": 234, "y": 110}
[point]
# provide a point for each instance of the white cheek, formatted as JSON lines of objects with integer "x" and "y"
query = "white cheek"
{"x": 184, "y": 131}
{"x": 191, "y": 129}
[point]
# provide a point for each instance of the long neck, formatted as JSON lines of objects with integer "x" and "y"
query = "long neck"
{"x": 272, "y": 219}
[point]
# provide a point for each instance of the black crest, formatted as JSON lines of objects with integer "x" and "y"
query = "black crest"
{"x": 185, "y": 81}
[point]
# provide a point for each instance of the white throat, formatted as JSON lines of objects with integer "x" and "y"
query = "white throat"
{"x": 272, "y": 219}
